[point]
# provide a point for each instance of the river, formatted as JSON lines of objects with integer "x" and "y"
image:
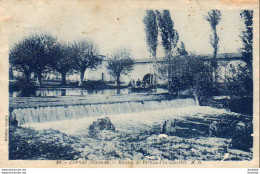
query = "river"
{"x": 51, "y": 92}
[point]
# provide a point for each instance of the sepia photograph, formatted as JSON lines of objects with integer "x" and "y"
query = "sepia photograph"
{"x": 158, "y": 85}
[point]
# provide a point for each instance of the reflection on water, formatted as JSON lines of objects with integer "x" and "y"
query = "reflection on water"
{"x": 46, "y": 92}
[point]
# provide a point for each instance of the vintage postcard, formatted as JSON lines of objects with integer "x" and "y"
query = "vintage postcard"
{"x": 129, "y": 84}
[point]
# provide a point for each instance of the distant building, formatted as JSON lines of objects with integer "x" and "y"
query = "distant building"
{"x": 143, "y": 69}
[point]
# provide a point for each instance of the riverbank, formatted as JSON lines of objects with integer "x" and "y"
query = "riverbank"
{"x": 17, "y": 85}
{"x": 242, "y": 105}
{"x": 29, "y": 144}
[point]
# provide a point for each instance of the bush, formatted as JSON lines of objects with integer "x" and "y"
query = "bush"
{"x": 189, "y": 72}
{"x": 26, "y": 87}
{"x": 239, "y": 86}
{"x": 243, "y": 105}
{"x": 29, "y": 144}
{"x": 240, "y": 81}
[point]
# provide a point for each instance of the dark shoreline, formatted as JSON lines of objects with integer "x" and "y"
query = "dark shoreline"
{"x": 242, "y": 105}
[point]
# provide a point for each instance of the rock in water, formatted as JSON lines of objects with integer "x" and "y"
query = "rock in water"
{"x": 241, "y": 139}
{"x": 169, "y": 127}
{"x": 99, "y": 125}
{"x": 13, "y": 122}
{"x": 213, "y": 129}
{"x": 12, "y": 119}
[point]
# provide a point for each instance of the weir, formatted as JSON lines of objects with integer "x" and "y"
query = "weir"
{"x": 48, "y": 114}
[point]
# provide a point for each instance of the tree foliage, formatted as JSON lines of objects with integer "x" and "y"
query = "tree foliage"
{"x": 182, "y": 50}
{"x": 188, "y": 72}
{"x": 19, "y": 59}
{"x": 239, "y": 86}
{"x": 33, "y": 54}
{"x": 151, "y": 30}
{"x": 63, "y": 61}
{"x": 247, "y": 37}
{"x": 169, "y": 35}
{"x": 86, "y": 56}
{"x": 239, "y": 82}
{"x": 214, "y": 17}
{"x": 119, "y": 63}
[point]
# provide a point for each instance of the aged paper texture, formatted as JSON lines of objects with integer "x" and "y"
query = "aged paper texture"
{"x": 140, "y": 84}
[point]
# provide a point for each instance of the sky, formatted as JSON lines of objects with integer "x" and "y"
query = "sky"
{"x": 125, "y": 28}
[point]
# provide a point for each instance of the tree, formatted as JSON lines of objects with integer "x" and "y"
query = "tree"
{"x": 119, "y": 63}
{"x": 214, "y": 17}
{"x": 239, "y": 86}
{"x": 239, "y": 82}
{"x": 19, "y": 59}
{"x": 33, "y": 54}
{"x": 86, "y": 56}
{"x": 189, "y": 73}
{"x": 247, "y": 37}
{"x": 11, "y": 74}
{"x": 182, "y": 51}
{"x": 169, "y": 35}
{"x": 151, "y": 30}
{"x": 62, "y": 61}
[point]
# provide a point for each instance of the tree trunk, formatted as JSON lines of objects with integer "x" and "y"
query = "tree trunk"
{"x": 214, "y": 76}
{"x": 82, "y": 72}
{"x": 11, "y": 74}
{"x": 63, "y": 92}
{"x": 196, "y": 97}
{"x": 154, "y": 70}
{"x": 118, "y": 80}
{"x": 39, "y": 79}
{"x": 63, "y": 78}
{"x": 27, "y": 75}
{"x": 214, "y": 63}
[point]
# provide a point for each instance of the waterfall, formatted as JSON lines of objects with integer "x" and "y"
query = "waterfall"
{"x": 46, "y": 114}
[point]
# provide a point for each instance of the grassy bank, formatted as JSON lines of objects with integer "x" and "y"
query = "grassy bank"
{"x": 28, "y": 144}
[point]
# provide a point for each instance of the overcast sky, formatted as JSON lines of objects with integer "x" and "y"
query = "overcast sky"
{"x": 111, "y": 30}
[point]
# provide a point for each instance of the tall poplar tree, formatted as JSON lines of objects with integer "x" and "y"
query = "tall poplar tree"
{"x": 247, "y": 37}
{"x": 214, "y": 17}
{"x": 169, "y": 35}
{"x": 151, "y": 30}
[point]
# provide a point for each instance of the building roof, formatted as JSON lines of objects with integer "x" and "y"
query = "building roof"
{"x": 221, "y": 56}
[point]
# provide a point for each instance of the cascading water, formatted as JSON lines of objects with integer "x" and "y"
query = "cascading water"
{"x": 46, "y": 114}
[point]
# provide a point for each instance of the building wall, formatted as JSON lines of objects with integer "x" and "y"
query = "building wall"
{"x": 139, "y": 71}
{"x": 100, "y": 73}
